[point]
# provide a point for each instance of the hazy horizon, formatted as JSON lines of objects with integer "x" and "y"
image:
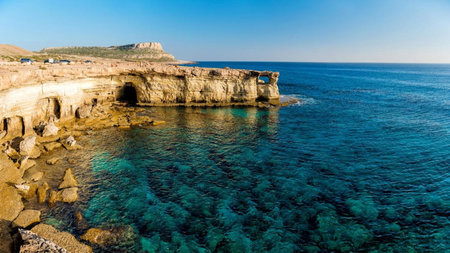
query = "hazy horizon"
{"x": 349, "y": 31}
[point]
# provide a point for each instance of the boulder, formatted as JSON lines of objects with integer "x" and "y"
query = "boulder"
{"x": 27, "y": 164}
{"x": 42, "y": 192}
{"x": 84, "y": 111}
{"x": 32, "y": 242}
{"x": 50, "y": 130}
{"x": 35, "y": 153}
{"x": 68, "y": 180}
{"x": 52, "y": 161}
{"x": 68, "y": 195}
{"x": 31, "y": 193}
{"x": 51, "y": 146}
{"x": 62, "y": 239}
{"x": 36, "y": 176}
{"x": 11, "y": 202}
{"x": 12, "y": 153}
{"x": 98, "y": 236}
{"x": 112, "y": 236}
{"x": 26, "y": 218}
{"x": 27, "y": 145}
{"x": 53, "y": 198}
{"x": 9, "y": 172}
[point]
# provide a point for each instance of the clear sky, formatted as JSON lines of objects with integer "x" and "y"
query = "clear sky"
{"x": 249, "y": 30}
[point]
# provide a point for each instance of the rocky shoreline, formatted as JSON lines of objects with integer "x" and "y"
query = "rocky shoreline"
{"x": 23, "y": 185}
{"x": 47, "y": 110}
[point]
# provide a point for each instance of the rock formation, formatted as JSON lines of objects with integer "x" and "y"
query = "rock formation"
{"x": 62, "y": 239}
{"x": 31, "y": 95}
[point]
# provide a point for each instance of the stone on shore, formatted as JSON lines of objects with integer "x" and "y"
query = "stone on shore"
{"x": 53, "y": 198}
{"x": 50, "y": 130}
{"x": 31, "y": 193}
{"x": 32, "y": 243}
{"x": 27, "y": 145}
{"x": 36, "y": 176}
{"x": 68, "y": 180}
{"x": 42, "y": 192}
{"x": 158, "y": 122}
{"x": 9, "y": 172}
{"x": 52, "y": 145}
{"x": 25, "y": 163}
{"x": 62, "y": 239}
{"x": 12, "y": 153}
{"x": 52, "y": 161}
{"x": 11, "y": 202}
{"x": 26, "y": 218}
{"x": 68, "y": 195}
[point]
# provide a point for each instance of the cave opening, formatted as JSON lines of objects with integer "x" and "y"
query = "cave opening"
{"x": 128, "y": 94}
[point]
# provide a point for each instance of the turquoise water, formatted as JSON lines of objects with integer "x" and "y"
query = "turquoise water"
{"x": 361, "y": 164}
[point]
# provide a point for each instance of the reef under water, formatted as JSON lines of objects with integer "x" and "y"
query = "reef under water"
{"x": 361, "y": 164}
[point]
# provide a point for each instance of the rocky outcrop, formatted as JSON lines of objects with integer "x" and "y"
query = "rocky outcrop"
{"x": 30, "y": 95}
{"x": 11, "y": 202}
{"x": 33, "y": 243}
{"x": 62, "y": 239}
{"x": 27, "y": 218}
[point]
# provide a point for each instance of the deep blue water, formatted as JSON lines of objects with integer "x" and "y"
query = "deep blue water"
{"x": 361, "y": 164}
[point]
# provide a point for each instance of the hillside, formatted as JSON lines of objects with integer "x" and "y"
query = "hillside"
{"x": 151, "y": 51}
{"x": 10, "y": 50}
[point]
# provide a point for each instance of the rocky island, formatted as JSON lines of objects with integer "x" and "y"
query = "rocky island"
{"x": 44, "y": 107}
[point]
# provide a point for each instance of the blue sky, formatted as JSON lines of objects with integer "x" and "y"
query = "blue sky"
{"x": 282, "y": 30}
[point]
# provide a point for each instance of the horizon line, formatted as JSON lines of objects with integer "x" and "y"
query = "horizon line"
{"x": 340, "y": 62}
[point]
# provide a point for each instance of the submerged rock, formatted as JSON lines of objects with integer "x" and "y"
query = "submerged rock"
{"x": 42, "y": 192}
{"x": 62, "y": 239}
{"x": 52, "y": 161}
{"x": 51, "y": 146}
{"x": 68, "y": 180}
{"x": 98, "y": 236}
{"x": 68, "y": 195}
{"x": 11, "y": 202}
{"x": 26, "y": 218}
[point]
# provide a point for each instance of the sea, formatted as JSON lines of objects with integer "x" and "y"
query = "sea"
{"x": 360, "y": 164}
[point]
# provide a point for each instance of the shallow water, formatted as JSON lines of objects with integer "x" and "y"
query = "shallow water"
{"x": 361, "y": 164}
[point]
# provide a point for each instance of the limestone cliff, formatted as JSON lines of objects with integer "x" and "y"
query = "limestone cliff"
{"x": 151, "y": 51}
{"x": 31, "y": 94}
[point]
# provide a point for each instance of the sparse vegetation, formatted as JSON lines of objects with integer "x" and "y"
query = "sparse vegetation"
{"x": 114, "y": 53}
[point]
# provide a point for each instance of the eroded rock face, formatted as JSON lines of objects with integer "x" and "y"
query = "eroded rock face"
{"x": 11, "y": 202}
{"x": 62, "y": 239}
{"x": 84, "y": 111}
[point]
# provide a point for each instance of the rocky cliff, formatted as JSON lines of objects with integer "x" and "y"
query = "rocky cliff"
{"x": 151, "y": 51}
{"x": 31, "y": 94}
